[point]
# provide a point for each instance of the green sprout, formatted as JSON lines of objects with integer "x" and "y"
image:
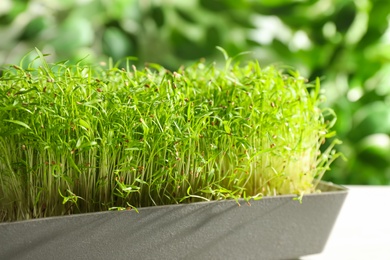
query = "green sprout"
{"x": 113, "y": 138}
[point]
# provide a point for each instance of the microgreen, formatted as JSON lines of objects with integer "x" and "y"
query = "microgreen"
{"x": 78, "y": 138}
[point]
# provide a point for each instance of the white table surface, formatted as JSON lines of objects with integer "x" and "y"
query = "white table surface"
{"x": 362, "y": 229}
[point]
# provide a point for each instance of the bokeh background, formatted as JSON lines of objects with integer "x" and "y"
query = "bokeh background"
{"x": 344, "y": 42}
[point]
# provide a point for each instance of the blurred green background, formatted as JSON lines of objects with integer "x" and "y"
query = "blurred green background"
{"x": 344, "y": 42}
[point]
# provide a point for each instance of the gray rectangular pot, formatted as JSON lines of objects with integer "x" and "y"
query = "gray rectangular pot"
{"x": 271, "y": 228}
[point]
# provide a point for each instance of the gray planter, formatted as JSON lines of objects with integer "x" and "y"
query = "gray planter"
{"x": 271, "y": 228}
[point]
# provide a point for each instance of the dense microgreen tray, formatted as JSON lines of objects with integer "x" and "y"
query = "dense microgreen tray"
{"x": 82, "y": 138}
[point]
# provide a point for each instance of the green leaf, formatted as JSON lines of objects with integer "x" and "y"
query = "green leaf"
{"x": 226, "y": 127}
{"x": 26, "y": 91}
{"x": 18, "y": 123}
{"x": 222, "y": 50}
{"x": 84, "y": 124}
